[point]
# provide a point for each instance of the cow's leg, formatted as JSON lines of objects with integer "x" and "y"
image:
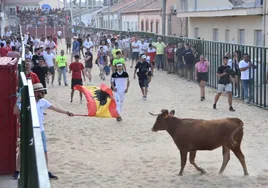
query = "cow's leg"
{"x": 226, "y": 158}
{"x": 192, "y": 157}
{"x": 238, "y": 153}
{"x": 183, "y": 160}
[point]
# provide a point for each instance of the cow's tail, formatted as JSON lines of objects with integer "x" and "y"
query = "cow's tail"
{"x": 240, "y": 127}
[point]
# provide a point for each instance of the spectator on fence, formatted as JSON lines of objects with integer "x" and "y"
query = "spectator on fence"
{"x": 189, "y": 61}
{"x": 201, "y": 75}
{"x": 170, "y": 58}
{"x": 179, "y": 59}
{"x": 160, "y": 53}
{"x": 247, "y": 67}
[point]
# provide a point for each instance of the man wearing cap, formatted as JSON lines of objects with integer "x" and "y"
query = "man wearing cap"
{"x": 41, "y": 105}
{"x": 120, "y": 84}
{"x": 143, "y": 75}
{"x": 75, "y": 49}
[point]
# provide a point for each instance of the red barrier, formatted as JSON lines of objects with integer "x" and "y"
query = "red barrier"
{"x": 8, "y": 121}
{"x": 37, "y": 32}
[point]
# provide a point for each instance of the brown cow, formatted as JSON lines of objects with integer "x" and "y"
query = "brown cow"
{"x": 191, "y": 135}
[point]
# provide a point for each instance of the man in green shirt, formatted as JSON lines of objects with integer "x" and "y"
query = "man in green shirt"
{"x": 118, "y": 59}
{"x": 160, "y": 53}
{"x": 61, "y": 63}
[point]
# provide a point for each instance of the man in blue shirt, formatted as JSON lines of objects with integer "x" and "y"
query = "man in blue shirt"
{"x": 76, "y": 48}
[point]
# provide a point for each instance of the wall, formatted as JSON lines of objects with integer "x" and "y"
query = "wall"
{"x": 132, "y": 19}
{"x": 206, "y": 26}
{"x": 214, "y": 4}
{"x": 154, "y": 17}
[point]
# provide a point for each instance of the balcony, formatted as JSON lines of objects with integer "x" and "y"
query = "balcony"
{"x": 212, "y": 8}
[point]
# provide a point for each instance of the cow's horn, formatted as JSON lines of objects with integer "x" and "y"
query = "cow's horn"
{"x": 154, "y": 114}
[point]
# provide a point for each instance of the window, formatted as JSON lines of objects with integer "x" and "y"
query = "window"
{"x": 136, "y": 26}
{"x": 184, "y": 4}
{"x": 142, "y": 26}
{"x": 152, "y": 26}
{"x": 157, "y": 27}
{"x": 215, "y": 35}
{"x": 12, "y": 11}
{"x": 241, "y": 36}
{"x": 227, "y": 35}
{"x": 127, "y": 26}
{"x": 196, "y": 32}
{"x": 147, "y": 25}
{"x": 258, "y": 38}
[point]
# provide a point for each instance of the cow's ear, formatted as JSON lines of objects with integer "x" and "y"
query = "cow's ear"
{"x": 165, "y": 113}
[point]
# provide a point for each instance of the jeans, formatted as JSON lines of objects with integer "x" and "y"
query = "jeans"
{"x": 62, "y": 71}
{"x": 247, "y": 88}
{"x": 160, "y": 61}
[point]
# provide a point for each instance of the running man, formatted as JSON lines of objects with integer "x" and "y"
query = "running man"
{"x": 88, "y": 63}
{"x": 59, "y": 33}
{"x": 120, "y": 84}
{"x": 77, "y": 69}
{"x": 50, "y": 61}
{"x": 143, "y": 75}
{"x": 102, "y": 61}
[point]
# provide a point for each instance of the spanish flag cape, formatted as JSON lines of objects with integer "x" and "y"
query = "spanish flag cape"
{"x": 100, "y": 101}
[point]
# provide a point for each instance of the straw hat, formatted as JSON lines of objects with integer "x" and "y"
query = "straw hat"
{"x": 39, "y": 87}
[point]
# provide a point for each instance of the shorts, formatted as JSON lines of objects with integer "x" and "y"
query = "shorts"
{"x": 59, "y": 37}
{"x": 44, "y": 140}
{"x": 68, "y": 45}
{"x": 169, "y": 60}
{"x": 88, "y": 65}
{"x": 202, "y": 76}
{"x": 223, "y": 87}
{"x": 75, "y": 53}
{"x": 143, "y": 83}
{"x": 135, "y": 55}
{"x": 51, "y": 70}
{"x": 76, "y": 82}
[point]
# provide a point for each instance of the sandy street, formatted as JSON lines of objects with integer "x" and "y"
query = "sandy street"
{"x": 87, "y": 152}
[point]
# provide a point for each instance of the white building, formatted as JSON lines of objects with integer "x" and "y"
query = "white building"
{"x": 235, "y": 21}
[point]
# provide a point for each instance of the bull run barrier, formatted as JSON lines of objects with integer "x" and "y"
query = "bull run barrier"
{"x": 214, "y": 53}
{"x": 33, "y": 171}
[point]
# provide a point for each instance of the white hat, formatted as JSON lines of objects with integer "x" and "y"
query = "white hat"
{"x": 39, "y": 87}
{"x": 143, "y": 56}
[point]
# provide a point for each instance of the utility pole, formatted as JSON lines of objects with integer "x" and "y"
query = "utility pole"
{"x": 109, "y": 22}
{"x": 164, "y": 12}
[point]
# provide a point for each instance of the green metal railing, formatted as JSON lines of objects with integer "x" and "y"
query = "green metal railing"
{"x": 214, "y": 52}
{"x": 33, "y": 171}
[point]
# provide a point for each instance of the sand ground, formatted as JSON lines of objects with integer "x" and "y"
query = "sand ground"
{"x": 88, "y": 152}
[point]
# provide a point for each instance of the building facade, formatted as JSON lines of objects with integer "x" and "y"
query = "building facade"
{"x": 232, "y": 21}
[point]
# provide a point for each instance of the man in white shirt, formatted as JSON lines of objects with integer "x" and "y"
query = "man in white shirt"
{"x": 143, "y": 47}
{"x": 88, "y": 44}
{"x": 50, "y": 61}
{"x": 120, "y": 84}
{"x": 135, "y": 51}
{"x": 51, "y": 45}
{"x": 59, "y": 33}
{"x": 246, "y": 68}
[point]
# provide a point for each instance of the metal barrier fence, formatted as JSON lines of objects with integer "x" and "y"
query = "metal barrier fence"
{"x": 33, "y": 171}
{"x": 214, "y": 53}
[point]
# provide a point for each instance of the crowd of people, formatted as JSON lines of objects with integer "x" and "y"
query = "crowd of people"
{"x": 44, "y": 18}
{"x": 112, "y": 52}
